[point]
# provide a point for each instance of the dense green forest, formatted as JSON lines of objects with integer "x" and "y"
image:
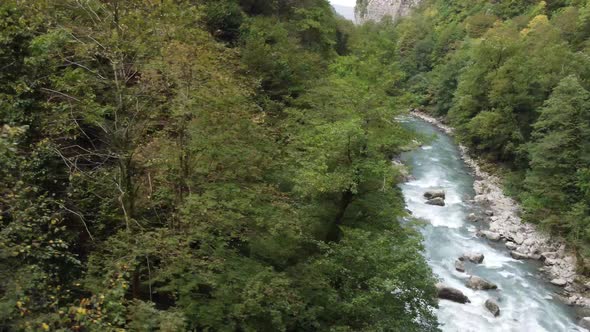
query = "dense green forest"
{"x": 513, "y": 78}
{"x": 208, "y": 165}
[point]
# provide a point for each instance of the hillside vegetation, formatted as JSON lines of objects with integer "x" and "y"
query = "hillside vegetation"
{"x": 513, "y": 78}
{"x": 212, "y": 165}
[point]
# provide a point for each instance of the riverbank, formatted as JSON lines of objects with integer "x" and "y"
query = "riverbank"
{"x": 524, "y": 240}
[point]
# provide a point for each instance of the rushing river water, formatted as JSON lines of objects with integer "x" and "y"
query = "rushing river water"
{"x": 527, "y": 302}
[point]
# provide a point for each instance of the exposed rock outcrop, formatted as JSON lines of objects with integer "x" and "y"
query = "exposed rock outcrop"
{"x": 375, "y": 10}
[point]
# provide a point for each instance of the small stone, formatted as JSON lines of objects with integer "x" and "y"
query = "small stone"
{"x": 511, "y": 245}
{"x": 489, "y": 213}
{"x": 472, "y": 217}
{"x": 492, "y": 236}
{"x": 559, "y": 282}
{"x": 460, "y": 265}
{"x": 550, "y": 261}
{"x": 493, "y": 307}
{"x": 518, "y": 255}
{"x": 536, "y": 257}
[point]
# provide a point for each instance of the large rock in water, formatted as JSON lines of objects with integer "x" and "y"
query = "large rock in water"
{"x": 493, "y": 307}
{"x": 478, "y": 283}
{"x": 518, "y": 255}
{"x": 436, "y": 201}
{"x": 435, "y": 194}
{"x": 451, "y": 294}
{"x": 585, "y": 323}
{"x": 459, "y": 265}
{"x": 473, "y": 257}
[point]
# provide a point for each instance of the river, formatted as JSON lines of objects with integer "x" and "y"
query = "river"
{"x": 527, "y": 302}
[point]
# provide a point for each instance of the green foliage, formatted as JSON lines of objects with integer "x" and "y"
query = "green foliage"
{"x": 513, "y": 81}
{"x": 211, "y": 165}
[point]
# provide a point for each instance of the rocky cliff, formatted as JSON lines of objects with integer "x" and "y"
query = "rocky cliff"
{"x": 375, "y": 10}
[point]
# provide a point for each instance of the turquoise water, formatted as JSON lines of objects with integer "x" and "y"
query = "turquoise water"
{"x": 527, "y": 302}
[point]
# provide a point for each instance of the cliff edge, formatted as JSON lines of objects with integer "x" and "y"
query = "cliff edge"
{"x": 375, "y": 10}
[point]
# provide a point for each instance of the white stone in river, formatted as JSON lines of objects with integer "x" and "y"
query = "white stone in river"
{"x": 559, "y": 282}
{"x": 511, "y": 245}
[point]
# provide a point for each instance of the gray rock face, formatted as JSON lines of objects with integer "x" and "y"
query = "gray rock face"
{"x": 451, "y": 294}
{"x": 375, "y": 10}
{"x": 478, "y": 283}
{"x": 436, "y": 201}
{"x": 493, "y": 307}
{"x": 460, "y": 265}
{"x": 473, "y": 257}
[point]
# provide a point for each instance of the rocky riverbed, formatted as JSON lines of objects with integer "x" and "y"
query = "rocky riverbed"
{"x": 523, "y": 239}
{"x": 487, "y": 260}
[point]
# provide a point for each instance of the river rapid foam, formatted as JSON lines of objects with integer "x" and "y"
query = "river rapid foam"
{"x": 527, "y": 301}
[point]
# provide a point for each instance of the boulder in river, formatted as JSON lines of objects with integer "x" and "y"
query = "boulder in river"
{"x": 435, "y": 194}
{"x": 559, "y": 282}
{"x": 492, "y": 236}
{"x": 585, "y": 323}
{"x": 436, "y": 201}
{"x": 518, "y": 255}
{"x": 460, "y": 265}
{"x": 478, "y": 283}
{"x": 493, "y": 307}
{"x": 489, "y": 213}
{"x": 473, "y": 257}
{"x": 452, "y": 294}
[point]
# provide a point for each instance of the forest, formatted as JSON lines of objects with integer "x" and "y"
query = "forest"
{"x": 204, "y": 165}
{"x": 226, "y": 165}
{"x": 513, "y": 79}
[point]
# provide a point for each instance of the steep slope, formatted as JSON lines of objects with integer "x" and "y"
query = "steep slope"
{"x": 375, "y": 10}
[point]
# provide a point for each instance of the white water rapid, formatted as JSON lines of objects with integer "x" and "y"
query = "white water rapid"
{"x": 527, "y": 302}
